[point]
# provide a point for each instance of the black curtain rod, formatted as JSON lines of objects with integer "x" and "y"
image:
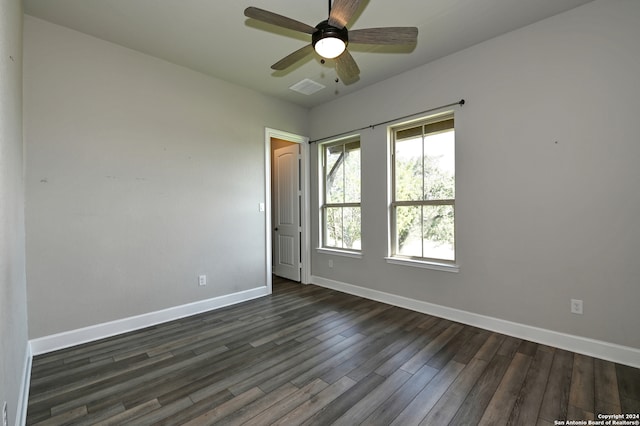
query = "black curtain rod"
{"x": 460, "y": 102}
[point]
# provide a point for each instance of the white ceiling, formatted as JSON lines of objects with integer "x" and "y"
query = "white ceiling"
{"x": 215, "y": 38}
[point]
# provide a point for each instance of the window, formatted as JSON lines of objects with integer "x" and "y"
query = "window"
{"x": 423, "y": 190}
{"x": 340, "y": 205}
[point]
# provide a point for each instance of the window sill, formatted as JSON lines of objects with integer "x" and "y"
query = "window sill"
{"x": 336, "y": 252}
{"x": 446, "y": 267}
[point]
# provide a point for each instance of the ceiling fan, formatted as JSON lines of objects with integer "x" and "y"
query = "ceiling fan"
{"x": 330, "y": 38}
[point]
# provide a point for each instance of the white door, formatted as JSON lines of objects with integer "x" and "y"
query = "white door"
{"x": 286, "y": 200}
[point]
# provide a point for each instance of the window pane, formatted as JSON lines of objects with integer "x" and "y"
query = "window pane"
{"x": 352, "y": 173}
{"x": 409, "y": 231}
{"x": 341, "y": 223}
{"x": 438, "y": 232}
{"x": 351, "y": 221}
{"x": 424, "y": 171}
{"x": 439, "y": 166}
{"x": 335, "y": 174}
{"x": 333, "y": 227}
{"x": 408, "y": 170}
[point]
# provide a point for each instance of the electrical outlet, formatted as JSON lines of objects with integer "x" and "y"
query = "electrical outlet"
{"x": 5, "y": 417}
{"x": 330, "y": 263}
{"x": 576, "y": 306}
{"x": 202, "y": 280}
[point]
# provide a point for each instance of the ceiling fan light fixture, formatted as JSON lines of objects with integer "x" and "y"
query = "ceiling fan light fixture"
{"x": 329, "y": 41}
{"x": 330, "y": 47}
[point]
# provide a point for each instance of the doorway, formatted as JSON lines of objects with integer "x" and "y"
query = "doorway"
{"x": 287, "y": 194}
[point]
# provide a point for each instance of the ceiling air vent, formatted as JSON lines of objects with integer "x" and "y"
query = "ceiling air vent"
{"x": 307, "y": 87}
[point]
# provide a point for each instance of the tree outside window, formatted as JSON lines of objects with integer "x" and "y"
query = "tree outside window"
{"x": 423, "y": 204}
{"x": 341, "y": 216}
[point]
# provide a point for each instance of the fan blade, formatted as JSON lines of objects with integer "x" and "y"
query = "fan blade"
{"x": 346, "y": 66}
{"x": 342, "y": 11}
{"x": 387, "y": 35}
{"x": 279, "y": 20}
{"x": 292, "y": 58}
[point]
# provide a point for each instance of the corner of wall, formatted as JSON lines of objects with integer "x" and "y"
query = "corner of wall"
{"x": 23, "y": 401}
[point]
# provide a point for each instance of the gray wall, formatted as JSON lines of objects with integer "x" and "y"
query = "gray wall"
{"x": 141, "y": 175}
{"x": 539, "y": 222}
{"x": 13, "y": 305}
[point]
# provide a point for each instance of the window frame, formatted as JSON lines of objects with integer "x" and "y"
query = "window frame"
{"x": 323, "y": 246}
{"x": 420, "y": 261}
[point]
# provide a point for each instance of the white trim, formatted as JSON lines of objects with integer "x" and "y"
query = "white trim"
{"x": 595, "y": 348}
{"x": 23, "y": 399}
{"x": 99, "y": 331}
{"x": 425, "y": 264}
{"x": 338, "y": 252}
{"x": 305, "y": 241}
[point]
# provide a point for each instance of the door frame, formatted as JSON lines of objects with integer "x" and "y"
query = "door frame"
{"x": 305, "y": 243}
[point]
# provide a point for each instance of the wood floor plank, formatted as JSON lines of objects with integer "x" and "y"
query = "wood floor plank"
{"x": 388, "y": 410}
{"x": 295, "y": 370}
{"x": 527, "y": 406}
{"x": 366, "y": 405}
{"x": 630, "y": 406}
{"x": 313, "y": 324}
{"x": 172, "y": 414}
{"x": 334, "y": 366}
{"x": 350, "y": 324}
{"x": 311, "y": 406}
{"x": 389, "y": 364}
{"x": 448, "y": 405}
{"x": 474, "y": 405}
{"x": 84, "y": 376}
{"x": 314, "y": 356}
{"x": 127, "y": 415}
{"x": 264, "y": 372}
{"x": 73, "y": 376}
{"x": 425, "y": 354}
{"x": 504, "y": 398}
{"x": 629, "y": 388}
{"x": 227, "y": 408}
{"x": 555, "y": 402}
{"x": 490, "y": 347}
{"x": 451, "y": 348}
{"x": 285, "y": 406}
{"x": 509, "y": 347}
{"x": 410, "y": 350}
{"x": 418, "y": 408}
{"x": 323, "y": 330}
{"x": 528, "y": 348}
{"x": 242, "y": 378}
{"x": 110, "y": 385}
{"x": 607, "y": 395}
{"x": 582, "y": 393}
{"x": 158, "y": 385}
{"x": 330, "y": 413}
{"x": 63, "y": 418}
{"x": 255, "y": 408}
{"x": 53, "y": 370}
{"x": 466, "y": 353}
{"x": 99, "y": 417}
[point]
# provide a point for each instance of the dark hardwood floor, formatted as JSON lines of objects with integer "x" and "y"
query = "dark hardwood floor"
{"x": 308, "y": 355}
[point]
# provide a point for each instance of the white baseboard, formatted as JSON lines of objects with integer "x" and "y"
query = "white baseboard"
{"x": 595, "y": 348}
{"x": 23, "y": 400}
{"x": 100, "y": 331}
